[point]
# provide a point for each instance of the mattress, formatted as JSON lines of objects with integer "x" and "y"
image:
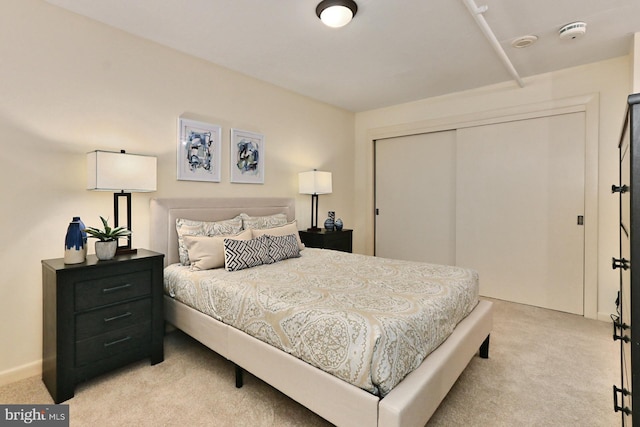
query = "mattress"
{"x": 366, "y": 320}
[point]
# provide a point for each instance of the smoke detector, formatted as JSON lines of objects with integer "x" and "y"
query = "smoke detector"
{"x": 572, "y": 31}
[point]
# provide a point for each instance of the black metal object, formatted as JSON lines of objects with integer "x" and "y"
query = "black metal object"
{"x": 619, "y": 189}
{"x": 617, "y": 408}
{"x": 620, "y": 263}
{"x": 126, "y": 248}
{"x": 484, "y": 348}
{"x": 239, "y": 373}
{"x": 618, "y": 327}
{"x": 314, "y": 218}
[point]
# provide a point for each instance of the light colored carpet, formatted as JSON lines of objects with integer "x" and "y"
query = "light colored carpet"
{"x": 545, "y": 369}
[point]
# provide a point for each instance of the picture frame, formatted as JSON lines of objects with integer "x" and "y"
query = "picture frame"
{"x": 247, "y": 157}
{"x": 199, "y": 151}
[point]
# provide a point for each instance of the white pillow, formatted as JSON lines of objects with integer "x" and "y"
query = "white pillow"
{"x": 268, "y": 221}
{"x": 207, "y": 252}
{"x": 190, "y": 227}
{"x": 284, "y": 230}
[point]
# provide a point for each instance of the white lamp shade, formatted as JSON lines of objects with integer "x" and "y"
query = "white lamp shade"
{"x": 314, "y": 182}
{"x": 111, "y": 171}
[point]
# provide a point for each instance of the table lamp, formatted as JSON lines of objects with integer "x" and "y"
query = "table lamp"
{"x": 314, "y": 182}
{"x": 124, "y": 174}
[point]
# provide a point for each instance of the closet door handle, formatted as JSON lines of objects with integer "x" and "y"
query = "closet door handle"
{"x": 620, "y": 263}
{"x": 621, "y": 189}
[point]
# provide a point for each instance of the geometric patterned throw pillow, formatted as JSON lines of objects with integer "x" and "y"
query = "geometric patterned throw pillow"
{"x": 241, "y": 254}
{"x": 283, "y": 247}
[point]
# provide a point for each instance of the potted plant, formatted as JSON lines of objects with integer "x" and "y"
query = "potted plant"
{"x": 107, "y": 242}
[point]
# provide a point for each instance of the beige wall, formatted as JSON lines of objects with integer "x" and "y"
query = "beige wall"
{"x": 69, "y": 85}
{"x": 609, "y": 79}
{"x": 635, "y": 62}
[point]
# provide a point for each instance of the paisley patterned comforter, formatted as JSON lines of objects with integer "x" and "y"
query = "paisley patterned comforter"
{"x": 369, "y": 321}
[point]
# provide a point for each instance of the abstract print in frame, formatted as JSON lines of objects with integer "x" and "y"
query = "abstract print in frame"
{"x": 199, "y": 151}
{"x": 247, "y": 157}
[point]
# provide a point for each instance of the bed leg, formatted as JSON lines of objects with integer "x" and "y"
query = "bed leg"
{"x": 239, "y": 372}
{"x": 484, "y": 348}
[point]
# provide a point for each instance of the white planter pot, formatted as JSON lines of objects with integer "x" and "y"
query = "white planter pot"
{"x": 106, "y": 250}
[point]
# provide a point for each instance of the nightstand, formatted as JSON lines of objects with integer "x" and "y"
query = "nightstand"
{"x": 98, "y": 316}
{"x": 337, "y": 240}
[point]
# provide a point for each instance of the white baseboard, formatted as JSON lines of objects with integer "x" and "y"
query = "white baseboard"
{"x": 21, "y": 372}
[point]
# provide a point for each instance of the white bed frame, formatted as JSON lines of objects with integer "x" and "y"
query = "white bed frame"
{"x": 410, "y": 403}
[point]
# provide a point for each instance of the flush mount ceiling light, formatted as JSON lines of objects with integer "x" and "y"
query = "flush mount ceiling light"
{"x": 336, "y": 13}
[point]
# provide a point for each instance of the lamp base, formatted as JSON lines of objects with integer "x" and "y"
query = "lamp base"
{"x": 314, "y": 229}
{"x": 126, "y": 248}
{"x": 123, "y": 250}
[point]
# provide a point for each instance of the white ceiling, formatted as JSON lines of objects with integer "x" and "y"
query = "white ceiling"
{"x": 394, "y": 51}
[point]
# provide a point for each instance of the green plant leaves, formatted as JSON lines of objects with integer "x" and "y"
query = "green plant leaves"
{"x": 107, "y": 233}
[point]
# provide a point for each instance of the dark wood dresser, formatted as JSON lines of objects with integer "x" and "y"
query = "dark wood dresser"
{"x": 323, "y": 239}
{"x": 99, "y": 315}
{"x": 627, "y": 192}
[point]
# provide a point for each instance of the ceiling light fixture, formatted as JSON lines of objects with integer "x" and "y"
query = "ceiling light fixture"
{"x": 336, "y": 13}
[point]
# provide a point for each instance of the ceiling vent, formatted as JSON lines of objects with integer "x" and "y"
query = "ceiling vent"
{"x": 524, "y": 41}
{"x": 572, "y": 31}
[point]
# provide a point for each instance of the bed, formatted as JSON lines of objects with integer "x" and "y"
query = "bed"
{"x": 410, "y": 402}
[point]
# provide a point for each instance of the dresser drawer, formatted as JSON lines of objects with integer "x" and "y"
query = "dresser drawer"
{"x": 340, "y": 243}
{"x": 111, "y": 289}
{"x": 324, "y": 239}
{"x": 97, "y": 322}
{"x": 111, "y": 343}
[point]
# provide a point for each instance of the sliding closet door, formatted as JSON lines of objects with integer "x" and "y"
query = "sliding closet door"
{"x": 520, "y": 196}
{"x": 415, "y": 197}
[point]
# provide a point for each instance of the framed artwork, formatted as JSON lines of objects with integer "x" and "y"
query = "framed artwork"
{"x": 247, "y": 157}
{"x": 199, "y": 151}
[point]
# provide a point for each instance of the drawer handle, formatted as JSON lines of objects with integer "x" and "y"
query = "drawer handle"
{"x": 120, "y": 316}
{"x": 109, "y": 344}
{"x": 116, "y": 288}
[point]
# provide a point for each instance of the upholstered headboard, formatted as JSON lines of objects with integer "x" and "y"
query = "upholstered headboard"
{"x": 164, "y": 212}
